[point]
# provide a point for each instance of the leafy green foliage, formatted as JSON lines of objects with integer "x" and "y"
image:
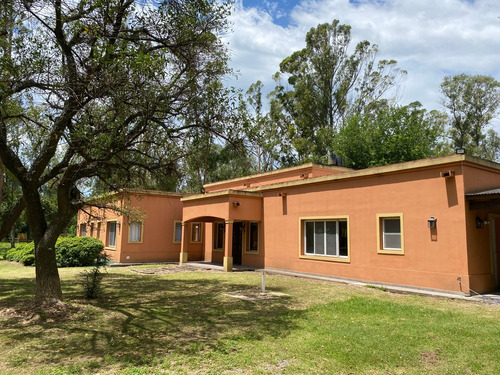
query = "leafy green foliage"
{"x": 23, "y": 253}
{"x": 327, "y": 84}
{"x": 390, "y": 135}
{"x": 472, "y": 102}
{"x": 79, "y": 251}
{"x": 91, "y": 282}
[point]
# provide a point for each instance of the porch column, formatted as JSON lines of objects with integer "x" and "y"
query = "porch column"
{"x": 184, "y": 243}
{"x": 228, "y": 246}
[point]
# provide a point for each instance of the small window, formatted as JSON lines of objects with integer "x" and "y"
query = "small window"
{"x": 98, "y": 231}
{"x": 253, "y": 237}
{"x": 135, "y": 231}
{"x": 219, "y": 232}
{"x": 325, "y": 238}
{"x": 390, "y": 234}
{"x": 92, "y": 233}
{"x": 177, "y": 231}
{"x": 195, "y": 232}
{"x": 83, "y": 230}
{"x": 111, "y": 235}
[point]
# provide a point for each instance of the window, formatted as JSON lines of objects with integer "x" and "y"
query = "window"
{"x": 83, "y": 230}
{"x": 390, "y": 234}
{"x": 111, "y": 237}
{"x": 195, "y": 232}
{"x": 92, "y": 230}
{"x": 135, "y": 231}
{"x": 328, "y": 238}
{"x": 219, "y": 231}
{"x": 98, "y": 231}
{"x": 253, "y": 236}
{"x": 177, "y": 231}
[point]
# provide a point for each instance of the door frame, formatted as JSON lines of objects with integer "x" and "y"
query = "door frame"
{"x": 493, "y": 218}
{"x": 238, "y": 246}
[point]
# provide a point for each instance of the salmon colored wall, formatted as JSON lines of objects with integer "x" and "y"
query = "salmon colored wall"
{"x": 289, "y": 174}
{"x": 161, "y": 211}
{"x": 428, "y": 262}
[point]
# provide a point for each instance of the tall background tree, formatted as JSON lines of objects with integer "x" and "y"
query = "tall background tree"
{"x": 472, "y": 102}
{"x": 327, "y": 83}
{"x": 101, "y": 86}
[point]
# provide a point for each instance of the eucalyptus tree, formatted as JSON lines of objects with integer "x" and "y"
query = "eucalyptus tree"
{"x": 326, "y": 83}
{"x": 472, "y": 101}
{"x": 108, "y": 82}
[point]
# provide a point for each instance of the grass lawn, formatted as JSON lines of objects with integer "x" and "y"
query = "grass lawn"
{"x": 186, "y": 323}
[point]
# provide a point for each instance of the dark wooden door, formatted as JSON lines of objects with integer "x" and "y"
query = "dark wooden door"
{"x": 237, "y": 242}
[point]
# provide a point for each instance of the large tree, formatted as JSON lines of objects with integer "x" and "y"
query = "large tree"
{"x": 387, "y": 135}
{"x": 328, "y": 82}
{"x": 101, "y": 87}
{"x": 472, "y": 101}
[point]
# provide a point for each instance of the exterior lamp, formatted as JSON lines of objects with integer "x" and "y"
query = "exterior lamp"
{"x": 460, "y": 150}
{"x": 432, "y": 222}
{"x": 236, "y": 204}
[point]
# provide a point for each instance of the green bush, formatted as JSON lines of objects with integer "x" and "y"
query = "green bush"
{"x": 91, "y": 282}
{"x": 23, "y": 253}
{"x": 79, "y": 251}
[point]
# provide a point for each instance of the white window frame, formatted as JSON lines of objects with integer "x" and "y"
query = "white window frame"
{"x": 108, "y": 233}
{"x": 326, "y": 257}
{"x": 83, "y": 229}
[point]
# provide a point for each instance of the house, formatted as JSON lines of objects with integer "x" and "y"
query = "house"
{"x": 146, "y": 229}
{"x": 432, "y": 223}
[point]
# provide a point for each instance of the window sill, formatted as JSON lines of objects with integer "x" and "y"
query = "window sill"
{"x": 252, "y": 252}
{"x": 391, "y": 252}
{"x": 326, "y": 258}
{"x": 110, "y": 248}
{"x": 217, "y": 249}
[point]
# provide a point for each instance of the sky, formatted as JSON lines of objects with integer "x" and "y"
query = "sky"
{"x": 429, "y": 38}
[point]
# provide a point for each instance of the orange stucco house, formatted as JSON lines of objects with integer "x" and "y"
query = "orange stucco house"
{"x": 432, "y": 223}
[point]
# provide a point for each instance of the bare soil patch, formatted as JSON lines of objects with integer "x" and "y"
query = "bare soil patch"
{"x": 172, "y": 269}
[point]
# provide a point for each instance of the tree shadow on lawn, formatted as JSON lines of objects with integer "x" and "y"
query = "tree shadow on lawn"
{"x": 143, "y": 318}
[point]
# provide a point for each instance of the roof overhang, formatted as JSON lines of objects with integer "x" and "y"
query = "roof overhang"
{"x": 484, "y": 200}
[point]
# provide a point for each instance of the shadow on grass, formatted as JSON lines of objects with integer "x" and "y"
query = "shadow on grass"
{"x": 142, "y": 318}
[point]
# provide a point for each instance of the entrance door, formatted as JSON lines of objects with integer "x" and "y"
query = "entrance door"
{"x": 238, "y": 229}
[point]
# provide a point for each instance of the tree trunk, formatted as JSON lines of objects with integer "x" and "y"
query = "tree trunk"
{"x": 48, "y": 284}
{"x": 13, "y": 237}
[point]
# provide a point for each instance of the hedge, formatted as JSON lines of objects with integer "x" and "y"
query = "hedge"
{"x": 70, "y": 252}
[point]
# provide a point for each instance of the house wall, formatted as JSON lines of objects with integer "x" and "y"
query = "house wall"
{"x": 480, "y": 178}
{"x": 432, "y": 258}
{"x": 157, "y": 244}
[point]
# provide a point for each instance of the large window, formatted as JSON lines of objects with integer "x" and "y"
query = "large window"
{"x": 178, "y": 231}
{"x": 111, "y": 234}
{"x": 326, "y": 238}
{"x": 253, "y": 237}
{"x": 83, "y": 229}
{"x": 390, "y": 233}
{"x": 219, "y": 232}
{"x": 135, "y": 231}
{"x": 195, "y": 232}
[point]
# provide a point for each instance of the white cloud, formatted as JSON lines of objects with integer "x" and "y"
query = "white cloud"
{"x": 428, "y": 38}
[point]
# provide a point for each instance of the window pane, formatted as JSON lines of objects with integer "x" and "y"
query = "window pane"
{"x": 319, "y": 238}
{"x": 196, "y": 232}
{"x": 392, "y": 234}
{"x": 112, "y": 234}
{"x": 343, "y": 251}
{"x": 178, "y": 232}
{"x": 135, "y": 232}
{"x": 309, "y": 237}
{"x": 331, "y": 237}
{"x": 254, "y": 237}
{"x": 392, "y": 226}
{"x": 83, "y": 230}
{"x": 219, "y": 236}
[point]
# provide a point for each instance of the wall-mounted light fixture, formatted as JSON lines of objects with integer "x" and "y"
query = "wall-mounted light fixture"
{"x": 460, "y": 150}
{"x": 236, "y": 204}
{"x": 432, "y": 222}
{"x": 480, "y": 223}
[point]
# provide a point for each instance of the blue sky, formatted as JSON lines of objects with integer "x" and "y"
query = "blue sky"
{"x": 428, "y": 38}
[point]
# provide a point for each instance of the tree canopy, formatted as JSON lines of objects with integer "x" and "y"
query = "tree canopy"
{"x": 93, "y": 89}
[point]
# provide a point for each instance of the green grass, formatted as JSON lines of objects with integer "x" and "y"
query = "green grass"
{"x": 184, "y": 323}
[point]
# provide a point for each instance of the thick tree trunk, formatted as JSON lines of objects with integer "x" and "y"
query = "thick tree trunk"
{"x": 48, "y": 284}
{"x": 13, "y": 237}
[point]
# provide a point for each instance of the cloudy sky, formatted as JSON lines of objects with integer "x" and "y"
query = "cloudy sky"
{"x": 428, "y": 38}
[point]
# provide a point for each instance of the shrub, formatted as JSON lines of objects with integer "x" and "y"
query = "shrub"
{"x": 91, "y": 282}
{"x": 79, "y": 251}
{"x": 23, "y": 253}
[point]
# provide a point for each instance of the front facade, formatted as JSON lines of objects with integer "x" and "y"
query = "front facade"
{"x": 146, "y": 228}
{"x": 431, "y": 223}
